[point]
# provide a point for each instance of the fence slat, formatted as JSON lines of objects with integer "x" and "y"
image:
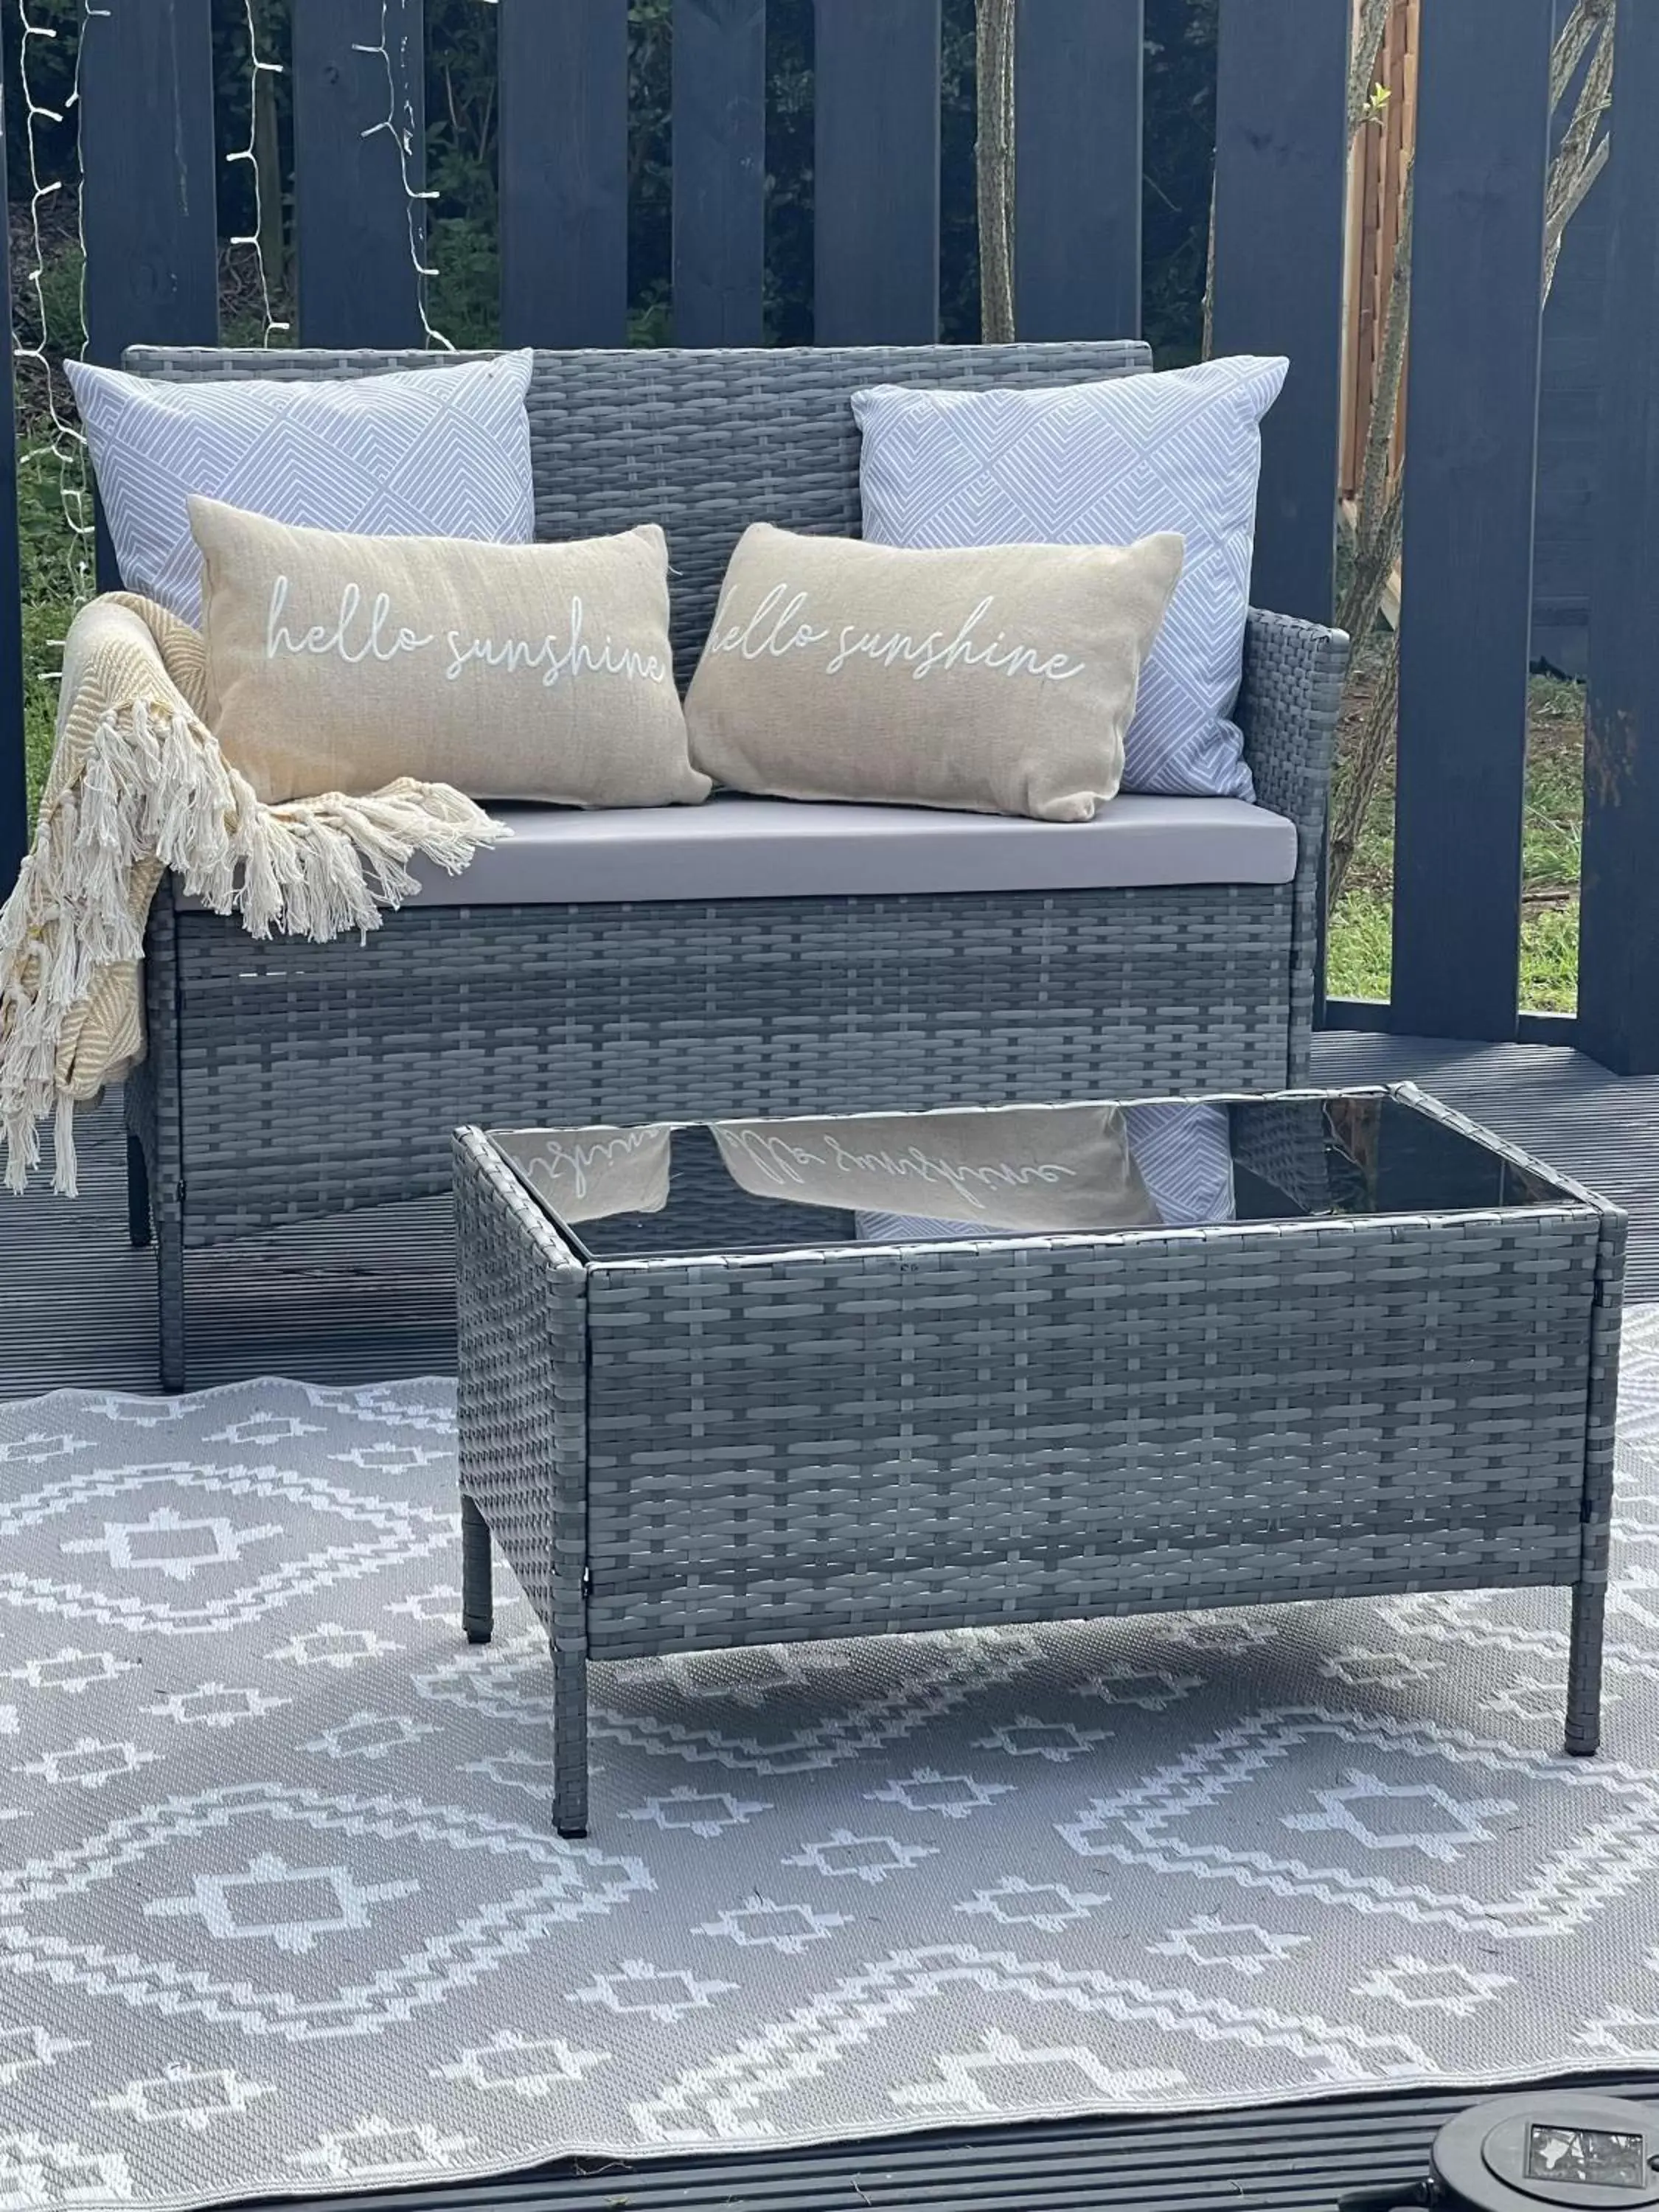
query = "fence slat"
{"x": 1471, "y": 454}
{"x": 13, "y": 765}
{"x": 1280, "y": 172}
{"x": 1078, "y": 137}
{"x": 150, "y": 227}
{"x": 359, "y": 124}
{"x": 150, "y": 224}
{"x": 719, "y": 170}
{"x": 876, "y": 189}
{"x": 563, "y": 165}
{"x": 1619, "y": 927}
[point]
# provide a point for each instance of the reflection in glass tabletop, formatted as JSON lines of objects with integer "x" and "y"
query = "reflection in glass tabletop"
{"x": 682, "y": 1188}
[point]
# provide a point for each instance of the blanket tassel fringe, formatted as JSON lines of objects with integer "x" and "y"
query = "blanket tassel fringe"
{"x": 154, "y": 791}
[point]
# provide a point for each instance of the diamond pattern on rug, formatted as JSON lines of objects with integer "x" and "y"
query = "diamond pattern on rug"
{"x": 282, "y": 1909}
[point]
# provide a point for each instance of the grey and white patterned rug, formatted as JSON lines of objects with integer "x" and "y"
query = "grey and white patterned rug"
{"x": 281, "y": 1909}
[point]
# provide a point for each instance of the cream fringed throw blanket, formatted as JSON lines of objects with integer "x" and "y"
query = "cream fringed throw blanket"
{"x": 138, "y": 785}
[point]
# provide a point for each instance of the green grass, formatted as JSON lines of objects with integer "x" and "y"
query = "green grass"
{"x": 1358, "y": 953}
{"x": 47, "y": 545}
{"x": 45, "y": 622}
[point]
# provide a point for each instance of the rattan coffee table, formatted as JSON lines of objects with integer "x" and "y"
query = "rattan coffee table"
{"x": 720, "y": 1385}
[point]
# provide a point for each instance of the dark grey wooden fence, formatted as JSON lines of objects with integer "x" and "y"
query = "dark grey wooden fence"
{"x": 358, "y": 112}
{"x": 14, "y": 800}
{"x": 1471, "y": 462}
{"x": 1618, "y": 978}
{"x": 1280, "y": 166}
{"x": 563, "y": 187}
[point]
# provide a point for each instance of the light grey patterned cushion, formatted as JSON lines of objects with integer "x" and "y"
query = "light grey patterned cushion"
{"x": 1102, "y": 464}
{"x": 916, "y": 1229}
{"x": 1185, "y": 1155}
{"x": 425, "y": 453}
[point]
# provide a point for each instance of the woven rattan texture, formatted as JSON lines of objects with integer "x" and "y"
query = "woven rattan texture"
{"x": 704, "y": 443}
{"x": 928, "y": 1438}
{"x": 519, "y": 1312}
{"x": 324, "y": 1077}
{"x": 855, "y": 1440}
{"x": 1584, "y": 1658}
{"x": 521, "y": 1410}
{"x": 291, "y": 1081}
{"x": 1287, "y": 708}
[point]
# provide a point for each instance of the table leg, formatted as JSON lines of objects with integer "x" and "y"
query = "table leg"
{"x": 569, "y": 1741}
{"x": 1584, "y": 1669}
{"x": 477, "y": 1597}
{"x": 139, "y": 1225}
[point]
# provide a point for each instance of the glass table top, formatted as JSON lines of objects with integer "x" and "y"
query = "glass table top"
{"x": 667, "y": 1189}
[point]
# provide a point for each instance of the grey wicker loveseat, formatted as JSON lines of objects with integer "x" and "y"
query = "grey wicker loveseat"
{"x": 749, "y": 955}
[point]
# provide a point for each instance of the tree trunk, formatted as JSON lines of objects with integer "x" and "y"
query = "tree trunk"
{"x": 1589, "y": 31}
{"x": 993, "y": 154}
{"x": 268, "y": 169}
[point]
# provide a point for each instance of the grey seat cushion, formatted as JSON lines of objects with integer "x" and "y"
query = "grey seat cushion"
{"x": 735, "y": 848}
{"x": 738, "y": 848}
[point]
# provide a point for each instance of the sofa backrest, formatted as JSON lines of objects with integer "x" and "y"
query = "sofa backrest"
{"x": 704, "y": 442}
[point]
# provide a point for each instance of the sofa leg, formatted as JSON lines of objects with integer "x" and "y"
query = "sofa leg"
{"x": 478, "y": 1596}
{"x": 138, "y": 1225}
{"x": 170, "y": 1301}
{"x": 1584, "y": 1671}
{"x": 569, "y": 1741}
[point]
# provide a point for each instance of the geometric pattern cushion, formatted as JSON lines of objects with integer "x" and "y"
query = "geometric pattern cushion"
{"x": 1102, "y": 464}
{"x": 426, "y": 452}
{"x": 1185, "y": 1155}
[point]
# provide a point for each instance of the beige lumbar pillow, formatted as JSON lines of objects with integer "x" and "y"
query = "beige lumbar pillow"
{"x": 339, "y": 663}
{"x": 1034, "y": 1169}
{"x": 999, "y": 680}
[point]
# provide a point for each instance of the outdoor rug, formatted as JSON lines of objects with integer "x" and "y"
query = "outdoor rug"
{"x": 281, "y": 1911}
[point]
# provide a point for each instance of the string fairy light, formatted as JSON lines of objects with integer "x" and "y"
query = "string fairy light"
{"x": 254, "y": 239}
{"x": 63, "y": 444}
{"x": 401, "y": 132}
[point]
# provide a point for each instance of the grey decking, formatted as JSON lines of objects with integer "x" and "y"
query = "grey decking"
{"x": 1287, "y": 2158}
{"x": 368, "y": 1296}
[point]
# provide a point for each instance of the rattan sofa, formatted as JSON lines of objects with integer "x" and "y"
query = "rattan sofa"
{"x": 747, "y": 956}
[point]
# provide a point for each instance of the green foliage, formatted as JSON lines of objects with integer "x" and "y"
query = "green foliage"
{"x": 1358, "y": 955}
{"x": 50, "y": 598}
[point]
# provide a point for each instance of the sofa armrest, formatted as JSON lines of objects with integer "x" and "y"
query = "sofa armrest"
{"x": 1287, "y": 708}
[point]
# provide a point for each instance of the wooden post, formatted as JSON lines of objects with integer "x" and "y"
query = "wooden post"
{"x": 1471, "y": 453}
{"x": 1078, "y": 168}
{"x": 359, "y": 132}
{"x": 876, "y": 182}
{"x": 151, "y": 227}
{"x": 719, "y": 170}
{"x": 564, "y": 173}
{"x": 1619, "y": 923}
{"x": 146, "y": 78}
{"x": 14, "y": 755}
{"x": 1280, "y": 175}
